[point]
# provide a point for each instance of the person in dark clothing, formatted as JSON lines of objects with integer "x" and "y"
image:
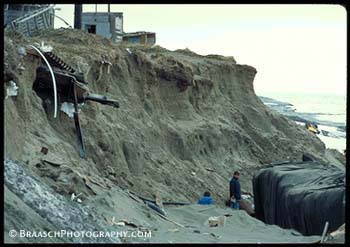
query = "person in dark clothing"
{"x": 235, "y": 190}
{"x": 206, "y": 199}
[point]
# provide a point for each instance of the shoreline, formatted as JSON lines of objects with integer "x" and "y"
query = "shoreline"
{"x": 333, "y": 134}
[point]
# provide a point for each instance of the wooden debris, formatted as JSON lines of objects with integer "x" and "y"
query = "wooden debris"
{"x": 212, "y": 234}
{"x": 134, "y": 197}
{"x": 173, "y": 230}
{"x": 159, "y": 201}
{"x": 209, "y": 169}
{"x": 122, "y": 222}
{"x": 44, "y": 150}
{"x": 216, "y": 221}
{"x": 167, "y": 219}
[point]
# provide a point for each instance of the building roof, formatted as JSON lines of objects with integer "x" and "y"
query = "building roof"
{"x": 102, "y": 13}
{"x": 137, "y": 33}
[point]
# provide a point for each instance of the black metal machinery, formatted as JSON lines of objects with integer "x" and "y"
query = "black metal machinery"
{"x": 71, "y": 87}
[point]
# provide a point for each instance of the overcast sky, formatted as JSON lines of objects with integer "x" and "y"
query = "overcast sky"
{"x": 295, "y": 48}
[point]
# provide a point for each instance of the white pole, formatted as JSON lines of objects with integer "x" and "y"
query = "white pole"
{"x": 325, "y": 229}
{"x": 53, "y": 79}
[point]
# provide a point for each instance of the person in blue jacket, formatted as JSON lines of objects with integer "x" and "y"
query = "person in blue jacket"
{"x": 206, "y": 199}
{"x": 235, "y": 190}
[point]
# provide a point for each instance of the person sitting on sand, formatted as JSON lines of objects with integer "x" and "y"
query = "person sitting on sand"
{"x": 206, "y": 199}
{"x": 235, "y": 190}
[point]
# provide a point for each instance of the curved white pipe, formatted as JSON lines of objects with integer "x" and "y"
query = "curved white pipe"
{"x": 53, "y": 79}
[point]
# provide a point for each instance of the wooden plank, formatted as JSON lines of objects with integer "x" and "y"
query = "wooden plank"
{"x": 28, "y": 29}
{"x": 35, "y": 21}
{"x": 45, "y": 20}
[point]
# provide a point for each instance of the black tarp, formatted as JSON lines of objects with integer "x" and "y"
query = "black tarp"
{"x": 302, "y": 196}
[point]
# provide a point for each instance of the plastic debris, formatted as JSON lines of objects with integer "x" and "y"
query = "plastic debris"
{"x": 216, "y": 221}
{"x": 20, "y": 67}
{"x": 82, "y": 65}
{"x": 73, "y": 197}
{"x": 11, "y": 89}
{"x": 210, "y": 169}
{"x": 173, "y": 230}
{"x": 68, "y": 108}
{"x": 21, "y": 51}
{"x": 45, "y": 48}
{"x": 245, "y": 196}
{"x": 129, "y": 51}
{"x": 121, "y": 223}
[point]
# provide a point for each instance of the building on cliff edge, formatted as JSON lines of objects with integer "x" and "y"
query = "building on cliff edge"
{"x": 108, "y": 25}
{"x": 146, "y": 38}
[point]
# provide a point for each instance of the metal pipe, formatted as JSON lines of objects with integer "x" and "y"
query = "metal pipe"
{"x": 52, "y": 76}
{"x": 325, "y": 230}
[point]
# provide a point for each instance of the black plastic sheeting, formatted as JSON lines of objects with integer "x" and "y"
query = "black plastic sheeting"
{"x": 302, "y": 196}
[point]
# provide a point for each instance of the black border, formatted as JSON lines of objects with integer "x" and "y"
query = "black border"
{"x": 344, "y": 3}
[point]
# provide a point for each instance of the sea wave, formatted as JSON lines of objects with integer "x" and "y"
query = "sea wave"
{"x": 332, "y": 126}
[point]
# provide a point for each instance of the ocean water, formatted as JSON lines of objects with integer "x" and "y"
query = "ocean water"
{"x": 327, "y": 110}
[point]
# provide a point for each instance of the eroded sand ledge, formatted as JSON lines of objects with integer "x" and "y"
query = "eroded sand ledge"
{"x": 180, "y": 114}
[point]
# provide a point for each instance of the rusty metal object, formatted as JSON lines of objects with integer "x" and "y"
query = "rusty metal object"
{"x": 71, "y": 87}
{"x": 58, "y": 62}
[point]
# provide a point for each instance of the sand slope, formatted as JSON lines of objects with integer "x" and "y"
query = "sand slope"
{"x": 180, "y": 113}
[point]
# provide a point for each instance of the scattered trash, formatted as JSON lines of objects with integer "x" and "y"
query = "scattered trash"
{"x": 212, "y": 234}
{"x": 209, "y": 169}
{"x": 129, "y": 51}
{"x": 20, "y": 67}
{"x": 128, "y": 223}
{"x": 156, "y": 208}
{"x": 108, "y": 63}
{"x": 45, "y": 48}
{"x": 121, "y": 223}
{"x": 44, "y": 150}
{"x": 110, "y": 222}
{"x": 78, "y": 200}
{"x": 216, "y": 221}
{"x": 11, "y": 89}
{"x": 83, "y": 67}
{"x": 246, "y": 196}
{"x": 21, "y": 51}
{"x": 159, "y": 202}
{"x": 173, "y": 230}
{"x": 68, "y": 108}
{"x": 193, "y": 173}
{"x": 73, "y": 196}
{"x": 246, "y": 205}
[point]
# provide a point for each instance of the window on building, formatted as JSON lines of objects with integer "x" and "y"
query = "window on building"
{"x": 91, "y": 28}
